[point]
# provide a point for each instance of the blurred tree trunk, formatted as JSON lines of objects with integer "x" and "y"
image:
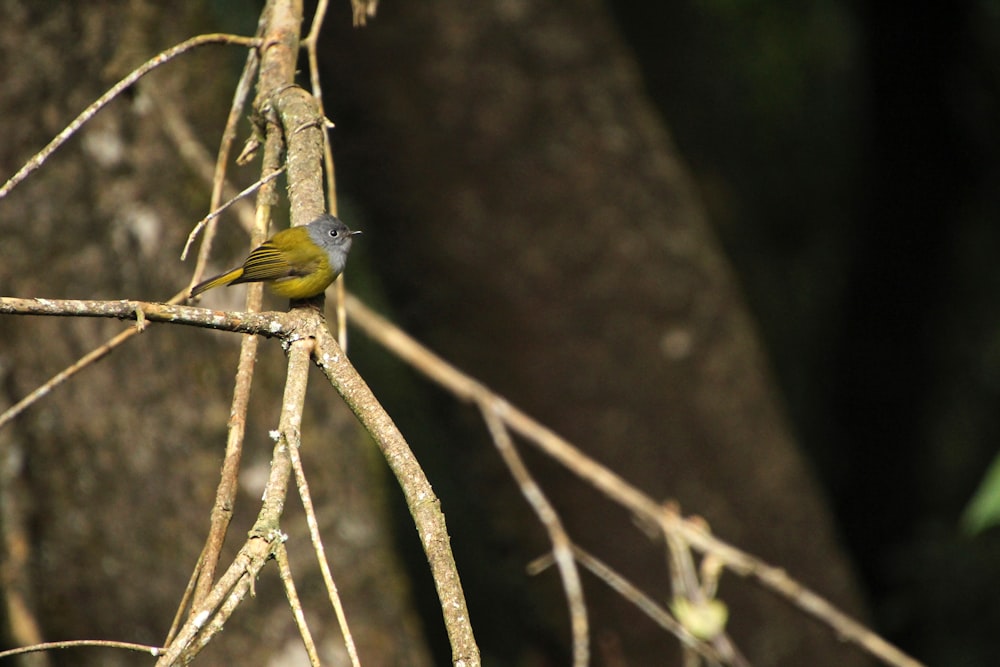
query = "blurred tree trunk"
{"x": 536, "y": 226}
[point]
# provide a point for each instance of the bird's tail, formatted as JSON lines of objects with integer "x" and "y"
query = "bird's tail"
{"x": 224, "y": 279}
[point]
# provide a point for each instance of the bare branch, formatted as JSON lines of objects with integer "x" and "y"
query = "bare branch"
{"x": 302, "y": 123}
{"x": 225, "y": 494}
{"x": 240, "y": 96}
{"x": 644, "y": 603}
{"x": 311, "y": 42}
{"x": 208, "y": 618}
{"x": 424, "y": 506}
{"x": 562, "y": 547}
{"x": 320, "y": 551}
{"x": 91, "y": 357}
{"x": 77, "y": 643}
{"x": 231, "y": 588}
{"x": 285, "y": 573}
{"x": 39, "y": 158}
{"x": 249, "y": 190}
{"x": 269, "y": 324}
{"x": 615, "y": 487}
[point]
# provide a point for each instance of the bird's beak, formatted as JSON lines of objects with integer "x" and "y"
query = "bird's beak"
{"x": 356, "y": 232}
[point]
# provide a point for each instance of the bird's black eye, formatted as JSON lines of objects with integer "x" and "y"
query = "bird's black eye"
{"x": 333, "y": 233}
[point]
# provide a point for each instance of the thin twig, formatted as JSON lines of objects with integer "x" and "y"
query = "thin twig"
{"x": 311, "y": 43}
{"x": 240, "y": 97}
{"x": 615, "y": 487}
{"x": 643, "y": 602}
{"x": 243, "y": 587}
{"x": 721, "y": 648}
{"x": 562, "y": 547}
{"x": 187, "y": 598}
{"x": 163, "y": 57}
{"x": 274, "y": 14}
{"x": 225, "y": 493}
{"x": 83, "y": 362}
{"x": 289, "y": 426}
{"x": 285, "y": 574}
{"x": 179, "y": 131}
{"x": 697, "y": 594}
{"x": 320, "y": 551}
{"x": 249, "y": 190}
{"x": 77, "y": 643}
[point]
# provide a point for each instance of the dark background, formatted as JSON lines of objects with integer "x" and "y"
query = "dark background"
{"x": 849, "y": 155}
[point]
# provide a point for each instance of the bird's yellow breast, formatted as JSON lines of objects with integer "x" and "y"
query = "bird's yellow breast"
{"x": 304, "y": 287}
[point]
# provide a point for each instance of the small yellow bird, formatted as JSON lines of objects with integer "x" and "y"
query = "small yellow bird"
{"x": 296, "y": 263}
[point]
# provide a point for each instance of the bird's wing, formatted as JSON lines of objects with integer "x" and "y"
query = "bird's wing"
{"x": 266, "y": 262}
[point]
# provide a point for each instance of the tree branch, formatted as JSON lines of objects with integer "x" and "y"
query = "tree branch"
{"x": 424, "y": 506}
{"x": 39, "y": 158}
{"x": 616, "y": 488}
{"x": 269, "y": 324}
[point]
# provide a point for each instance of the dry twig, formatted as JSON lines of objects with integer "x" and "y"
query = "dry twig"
{"x": 616, "y": 488}
{"x": 285, "y": 573}
{"x": 320, "y": 551}
{"x": 39, "y": 158}
{"x": 77, "y": 643}
{"x": 562, "y": 547}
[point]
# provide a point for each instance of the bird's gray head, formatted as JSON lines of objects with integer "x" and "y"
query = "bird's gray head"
{"x": 333, "y": 236}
